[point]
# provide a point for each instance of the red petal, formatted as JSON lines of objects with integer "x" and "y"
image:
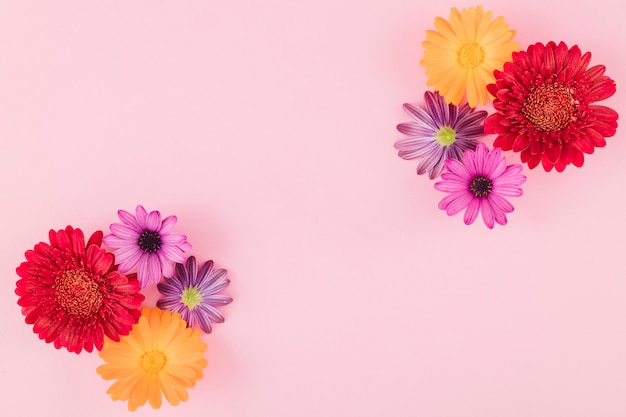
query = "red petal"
{"x": 554, "y": 153}
{"x": 491, "y": 122}
{"x": 578, "y": 158}
{"x": 596, "y": 137}
{"x": 95, "y": 239}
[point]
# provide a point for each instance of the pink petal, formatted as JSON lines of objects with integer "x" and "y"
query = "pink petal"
{"x": 472, "y": 211}
{"x": 153, "y": 221}
{"x": 487, "y": 212}
{"x": 168, "y": 224}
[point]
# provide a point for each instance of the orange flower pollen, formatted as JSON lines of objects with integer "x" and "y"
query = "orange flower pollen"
{"x": 471, "y": 55}
{"x": 549, "y": 107}
{"x": 77, "y": 293}
{"x": 153, "y": 362}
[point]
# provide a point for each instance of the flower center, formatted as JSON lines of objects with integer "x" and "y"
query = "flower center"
{"x": 77, "y": 293}
{"x": 191, "y": 297}
{"x": 153, "y": 362}
{"x": 445, "y": 136}
{"x": 549, "y": 107}
{"x": 149, "y": 241}
{"x": 480, "y": 186}
{"x": 471, "y": 55}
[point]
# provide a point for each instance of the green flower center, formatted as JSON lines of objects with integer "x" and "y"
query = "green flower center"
{"x": 480, "y": 186}
{"x": 471, "y": 55}
{"x": 445, "y": 136}
{"x": 153, "y": 362}
{"x": 191, "y": 297}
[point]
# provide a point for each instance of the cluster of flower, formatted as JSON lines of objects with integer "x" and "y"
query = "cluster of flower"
{"x": 543, "y": 100}
{"x": 79, "y": 296}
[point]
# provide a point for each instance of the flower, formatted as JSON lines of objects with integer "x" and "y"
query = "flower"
{"x": 146, "y": 241}
{"x": 462, "y": 54}
{"x": 160, "y": 356}
{"x": 440, "y": 132}
{"x": 194, "y": 294}
{"x": 544, "y": 106}
{"x": 73, "y": 294}
{"x": 480, "y": 183}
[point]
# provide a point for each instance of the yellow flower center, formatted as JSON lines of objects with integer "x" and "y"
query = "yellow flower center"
{"x": 153, "y": 362}
{"x": 549, "y": 107}
{"x": 445, "y": 136}
{"x": 471, "y": 55}
{"x": 191, "y": 297}
{"x": 77, "y": 293}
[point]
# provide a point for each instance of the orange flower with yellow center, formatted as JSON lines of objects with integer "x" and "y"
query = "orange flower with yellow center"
{"x": 462, "y": 54}
{"x": 160, "y": 356}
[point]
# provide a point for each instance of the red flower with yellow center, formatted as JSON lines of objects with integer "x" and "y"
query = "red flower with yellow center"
{"x": 544, "y": 106}
{"x": 74, "y": 295}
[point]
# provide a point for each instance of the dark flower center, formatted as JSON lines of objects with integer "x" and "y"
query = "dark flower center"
{"x": 480, "y": 186}
{"x": 549, "y": 107}
{"x": 77, "y": 293}
{"x": 149, "y": 241}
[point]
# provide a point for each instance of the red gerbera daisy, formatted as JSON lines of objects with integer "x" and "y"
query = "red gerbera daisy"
{"x": 74, "y": 295}
{"x": 544, "y": 106}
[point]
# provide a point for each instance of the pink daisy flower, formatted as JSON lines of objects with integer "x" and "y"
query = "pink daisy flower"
{"x": 480, "y": 184}
{"x": 146, "y": 242}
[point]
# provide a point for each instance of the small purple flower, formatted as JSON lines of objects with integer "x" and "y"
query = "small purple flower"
{"x": 146, "y": 241}
{"x": 194, "y": 293}
{"x": 480, "y": 183}
{"x": 441, "y": 131}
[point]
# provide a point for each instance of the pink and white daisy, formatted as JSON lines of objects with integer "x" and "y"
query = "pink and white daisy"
{"x": 146, "y": 242}
{"x": 480, "y": 183}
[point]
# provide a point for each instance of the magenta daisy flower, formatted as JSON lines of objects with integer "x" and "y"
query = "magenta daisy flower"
{"x": 441, "y": 131}
{"x": 480, "y": 183}
{"x": 194, "y": 293}
{"x": 146, "y": 242}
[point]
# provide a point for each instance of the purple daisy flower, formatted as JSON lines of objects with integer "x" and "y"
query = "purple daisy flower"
{"x": 194, "y": 293}
{"x": 440, "y": 132}
{"x": 145, "y": 241}
{"x": 480, "y": 183}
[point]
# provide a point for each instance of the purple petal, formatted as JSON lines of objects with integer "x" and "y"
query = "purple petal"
{"x": 174, "y": 239}
{"x": 218, "y": 300}
{"x": 414, "y": 129}
{"x": 125, "y": 232}
{"x": 430, "y": 161}
{"x": 118, "y": 242}
{"x": 141, "y": 214}
{"x": 153, "y": 221}
{"x": 203, "y": 320}
{"x": 166, "y": 266}
{"x": 173, "y": 253}
{"x": 192, "y": 270}
{"x": 216, "y": 279}
{"x": 128, "y": 219}
{"x": 128, "y": 257}
{"x": 168, "y": 224}
{"x": 421, "y": 117}
{"x": 412, "y": 149}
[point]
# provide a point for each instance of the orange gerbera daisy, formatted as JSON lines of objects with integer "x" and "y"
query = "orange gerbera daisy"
{"x": 462, "y": 54}
{"x": 160, "y": 356}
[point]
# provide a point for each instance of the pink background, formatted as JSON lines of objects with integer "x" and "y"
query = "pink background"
{"x": 267, "y": 127}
